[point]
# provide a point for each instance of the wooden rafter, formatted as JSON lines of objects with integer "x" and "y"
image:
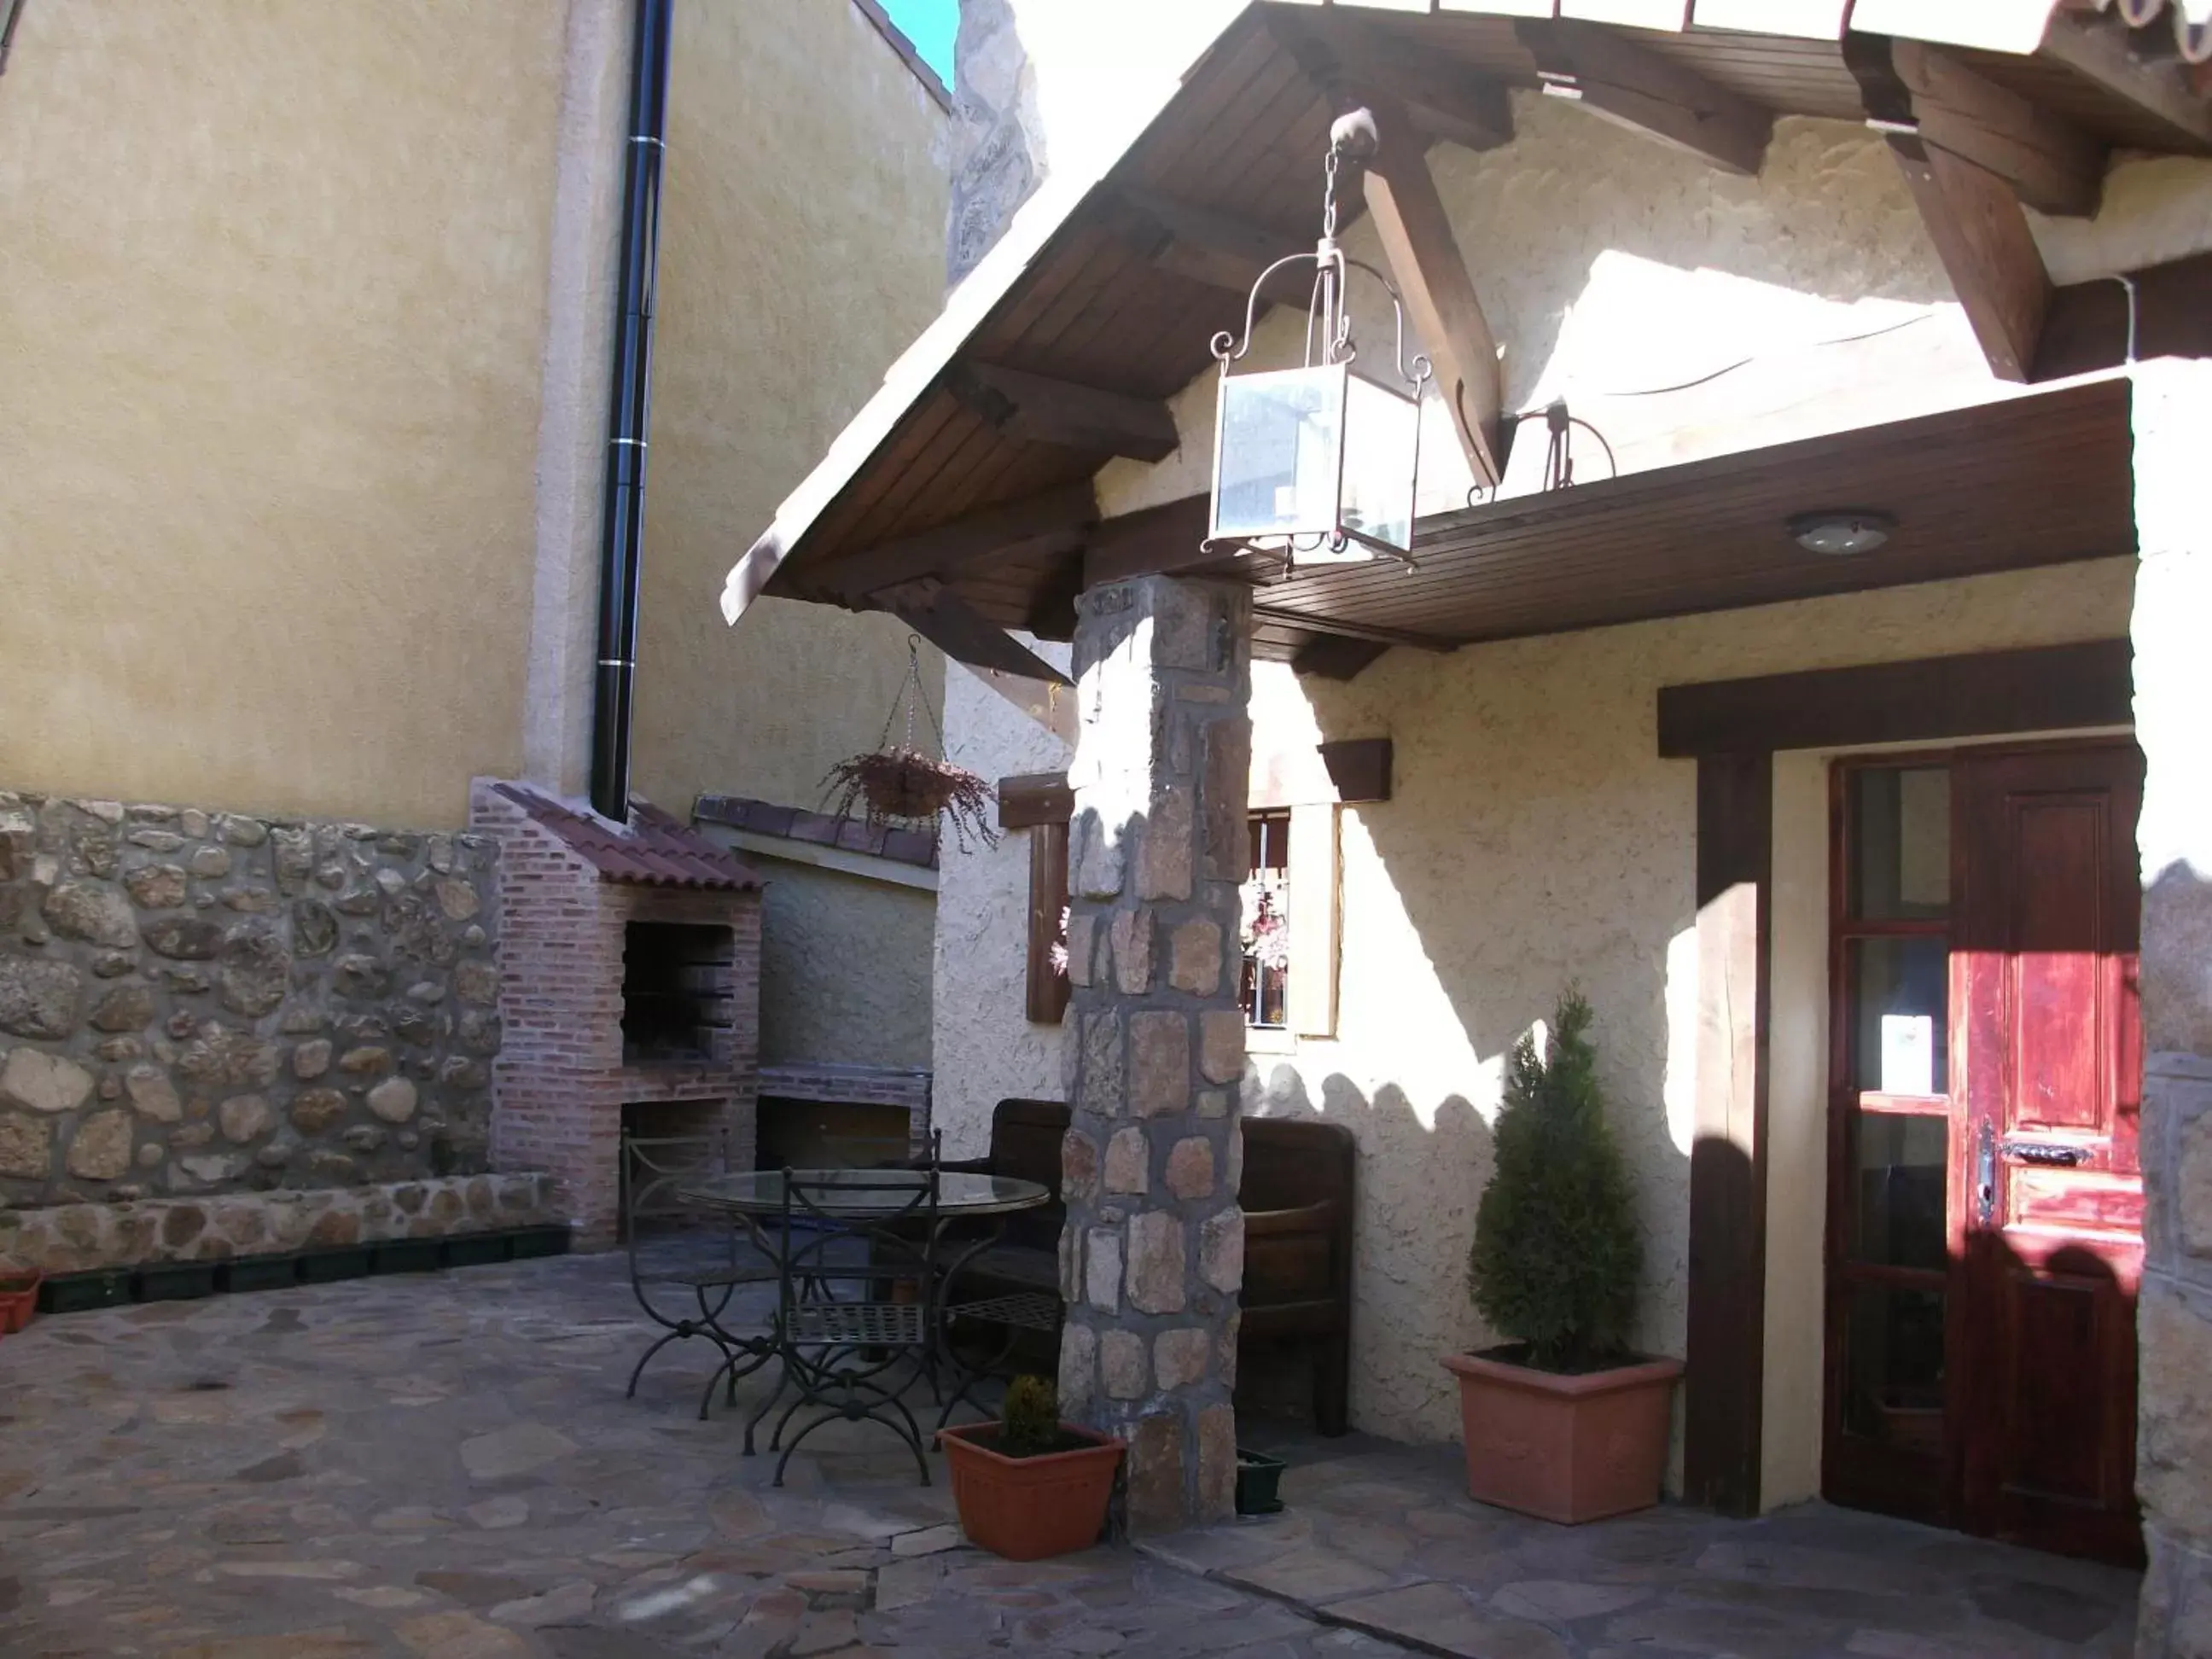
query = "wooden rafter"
{"x": 2098, "y": 48}
{"x": 1056, "y": 517}
{"x": 2052, "y": 165}
{"x": 1216, "y": 249}
{"x": 1333, "y": 656}
{"x": 1972, "y": 215}
{"x": 1612, "y": 75}
{"x": 1039, "y": 409}
{"x": 955, "y": 628}
{"x": 1446, "y": 99}
{"x": 1276, "y": 616}
{"x": 1432, "y": 274}
{"x": 1149, "y": 543}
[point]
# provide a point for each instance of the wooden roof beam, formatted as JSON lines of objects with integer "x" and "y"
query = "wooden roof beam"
{"x": 1333, "y": 656}
{"x": 960, "y": 632}
{"x": 1056, "y": 517}
{"x": 1035, "y": 409}
{"x": 1149, "y": 543}
{"x": 1447, "y": 99}
{"x": 1972, "y": 214}
{"x": 1432, "y": 274}
{"x": 2052, "y": 165}
{"x": 1612, "y": 75}
{"x": 2097, "y": 49}
{"x": 1218, "y": 249}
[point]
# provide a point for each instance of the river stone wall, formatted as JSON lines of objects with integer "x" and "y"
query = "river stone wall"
{"x": 63, "y": 1238}
{"x": 195, "y": 1002}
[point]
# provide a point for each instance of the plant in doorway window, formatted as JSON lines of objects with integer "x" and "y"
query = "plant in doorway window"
{"x": 1266, "y": 936}
{"x": 1563, "y": 1421}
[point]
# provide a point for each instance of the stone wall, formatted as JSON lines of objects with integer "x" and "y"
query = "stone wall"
{"x": 195, "y": 1002}
{"x": 65, "y": 1239}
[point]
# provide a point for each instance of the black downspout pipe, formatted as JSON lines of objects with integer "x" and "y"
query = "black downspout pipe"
{"x": 631, "y": 412}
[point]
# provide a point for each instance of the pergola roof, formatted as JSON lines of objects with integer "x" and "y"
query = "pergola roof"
{"x": 960, "y": 496}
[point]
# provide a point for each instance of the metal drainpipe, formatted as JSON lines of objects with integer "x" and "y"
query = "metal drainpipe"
{"x": 11, "y": 12}
{"x": 631, "y": 411}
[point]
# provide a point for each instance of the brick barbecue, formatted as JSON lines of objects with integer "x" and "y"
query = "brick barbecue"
{"x": 630, "y": 990}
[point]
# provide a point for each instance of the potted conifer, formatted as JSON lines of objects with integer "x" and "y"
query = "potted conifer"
{"x": 1562, "y": 1421}
{"x": 1030, "y": 1485}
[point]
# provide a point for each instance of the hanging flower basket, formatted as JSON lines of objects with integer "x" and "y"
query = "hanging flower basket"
{"x": 902, "y": 786}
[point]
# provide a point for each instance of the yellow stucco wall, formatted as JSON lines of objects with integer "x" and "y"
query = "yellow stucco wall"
{"x": 272, "y": 280}
{"x": 802, "y": 246}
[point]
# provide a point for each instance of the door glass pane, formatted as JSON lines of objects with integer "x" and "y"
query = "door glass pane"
{"x": 1899, "y": 1190}
{"x": 1901, "y": 999}
{"x": 1893, "y": 1366}
{"x": 1900, "y": 836}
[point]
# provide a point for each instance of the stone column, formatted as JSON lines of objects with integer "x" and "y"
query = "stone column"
{"x": 2172, "y": 622}
{"x": 1153, "y": 1253}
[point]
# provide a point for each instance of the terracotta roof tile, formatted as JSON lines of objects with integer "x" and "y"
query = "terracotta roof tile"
{"x": 653, "y": 849}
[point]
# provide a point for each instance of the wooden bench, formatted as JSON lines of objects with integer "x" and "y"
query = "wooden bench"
{"x": 1297, "y": 1199}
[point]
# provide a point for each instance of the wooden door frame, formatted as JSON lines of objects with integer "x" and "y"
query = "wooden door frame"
{"x": 1732, "y": 729}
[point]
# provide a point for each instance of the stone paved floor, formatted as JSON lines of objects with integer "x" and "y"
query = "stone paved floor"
{"x": 444, "y": 1467}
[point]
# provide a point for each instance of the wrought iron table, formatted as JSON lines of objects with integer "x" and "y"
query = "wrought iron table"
{"x": 845, "y": 1354}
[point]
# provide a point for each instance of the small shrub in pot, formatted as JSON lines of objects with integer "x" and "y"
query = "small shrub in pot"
{"x": 1031, "y": 1485}
{"x": 1563, "y": 1421}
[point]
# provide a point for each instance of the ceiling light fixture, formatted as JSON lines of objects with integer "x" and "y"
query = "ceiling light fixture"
{"x": 1842, "y": 534}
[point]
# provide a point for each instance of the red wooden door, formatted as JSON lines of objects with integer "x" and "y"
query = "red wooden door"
{"x": 2046, "y": 1198}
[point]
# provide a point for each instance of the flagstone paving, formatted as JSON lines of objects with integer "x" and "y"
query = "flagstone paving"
{"x": 444, "y": 1468}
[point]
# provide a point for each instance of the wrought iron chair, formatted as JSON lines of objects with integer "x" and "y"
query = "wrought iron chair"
{"x": 855, "y": 1301}
{"x": 679, "y": 1251}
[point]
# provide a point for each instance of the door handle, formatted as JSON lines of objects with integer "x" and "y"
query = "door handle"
{"x": 2047, "y": 1154}
{"x": 1985, "y": 1174}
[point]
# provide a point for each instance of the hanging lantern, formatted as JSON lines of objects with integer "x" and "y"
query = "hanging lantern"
{"x": 1317, "y": 463}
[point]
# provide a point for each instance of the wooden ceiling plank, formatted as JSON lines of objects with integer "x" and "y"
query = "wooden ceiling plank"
{"x": 936, "y": 472}
{"x": 1218, "y": 249}
{"x": 1066, "y": 512}
{"x": 2097, "y": 49}
{"x": 1355, "y": 630}
{"x": 1039, "y": 409}
{"x": 1971, "y": 215}
{"x": 1425, "y": 257}
{"x": 1614, "y": 76}
{"x": 1446, "y": 99}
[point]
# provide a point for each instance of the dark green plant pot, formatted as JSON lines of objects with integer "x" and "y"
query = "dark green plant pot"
{"x": 409, "y": 1255}
{"x": 476, "y": 1249}
{"x": 176, "y": 1281}
{"x": 61, "y": 1293}
{"x": 258, "y": 1272}
{"x": 1258, "y": 1477}
{"x": 531, "y": 1243}
{"x": 327, "y": 1266}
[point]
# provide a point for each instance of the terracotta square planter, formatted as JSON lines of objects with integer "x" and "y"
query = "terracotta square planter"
{"x": 1564, "y": 1448}
{"x": 1028, "y": 1508}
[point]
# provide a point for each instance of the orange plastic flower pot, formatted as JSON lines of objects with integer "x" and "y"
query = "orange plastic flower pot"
{"x": 1028, "y": 1508}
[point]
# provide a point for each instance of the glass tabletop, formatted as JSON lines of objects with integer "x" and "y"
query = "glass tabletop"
{"x": 861, "y": 1194}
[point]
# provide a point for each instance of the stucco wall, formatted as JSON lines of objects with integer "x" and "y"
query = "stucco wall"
{"x": 801, "y": 248}
{"x": 1535, "y": 837}
{"x": 844, "y": 968}
{"x": 271, "y": 294}
{"x": 986, "y": 1050}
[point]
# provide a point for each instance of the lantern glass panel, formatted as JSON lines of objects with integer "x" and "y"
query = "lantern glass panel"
{"x": 1382, "y": 453}
{"x": 1278, "y": 452}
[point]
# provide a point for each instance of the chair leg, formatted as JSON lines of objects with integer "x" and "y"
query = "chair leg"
{"x": 631, "y": 1392}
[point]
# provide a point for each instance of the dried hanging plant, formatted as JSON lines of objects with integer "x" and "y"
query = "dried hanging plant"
{"x": 899, "y": 786}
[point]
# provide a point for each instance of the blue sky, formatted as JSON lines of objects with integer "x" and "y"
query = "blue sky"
{"x": 931, "y": 24}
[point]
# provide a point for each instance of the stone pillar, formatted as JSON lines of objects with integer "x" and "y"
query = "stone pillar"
{"x": 2172, "y": 621}
{"x": 1153, "y": 1253}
